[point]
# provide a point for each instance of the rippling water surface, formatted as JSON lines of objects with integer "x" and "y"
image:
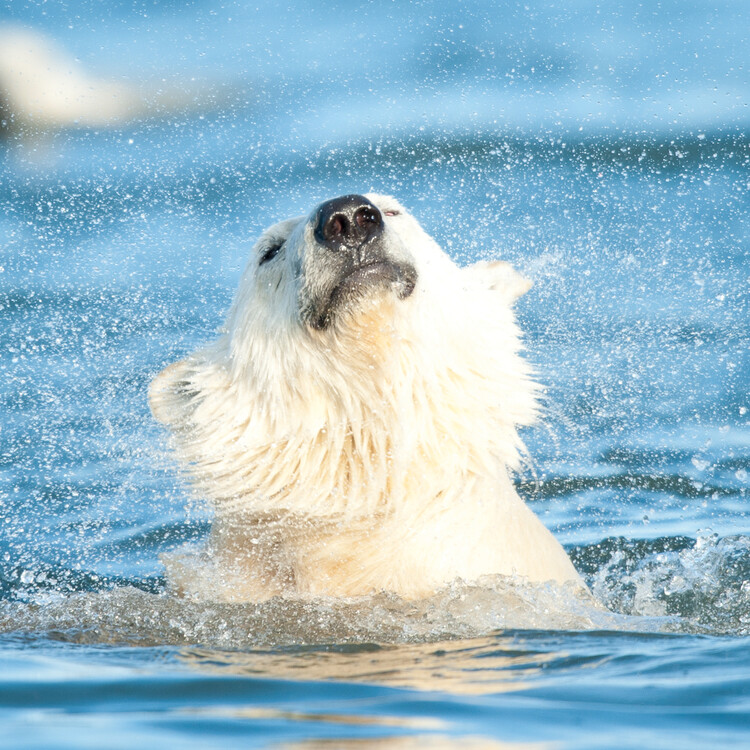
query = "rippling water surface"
{"x": 604, "y": 152}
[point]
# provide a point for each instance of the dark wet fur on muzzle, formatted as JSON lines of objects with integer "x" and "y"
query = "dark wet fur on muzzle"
{"x": 350, "y": 233}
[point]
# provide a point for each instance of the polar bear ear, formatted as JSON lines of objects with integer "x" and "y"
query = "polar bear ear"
{"x": 500, "y": 277}
{"x": 172, "y": 390}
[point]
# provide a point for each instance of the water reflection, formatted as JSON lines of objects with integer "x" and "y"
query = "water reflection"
{"x": 478, "y": 666}
{"x": 431, "y": 742}
{"x": 474, "y": 667}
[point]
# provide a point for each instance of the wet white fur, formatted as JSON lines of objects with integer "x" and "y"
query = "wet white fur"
{"x": 373, "y": 455}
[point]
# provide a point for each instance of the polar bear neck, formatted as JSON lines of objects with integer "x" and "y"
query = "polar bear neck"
{"x": 383, "y": 416}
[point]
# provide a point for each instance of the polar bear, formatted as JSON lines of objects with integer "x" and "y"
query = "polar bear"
{"x": 355, "y": 423}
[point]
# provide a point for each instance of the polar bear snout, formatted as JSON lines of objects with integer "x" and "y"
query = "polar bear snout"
{"x": 350, "y": 258}
{"x": 347, "y": 223}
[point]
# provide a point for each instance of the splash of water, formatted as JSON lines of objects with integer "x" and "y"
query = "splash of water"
{"x": 673, "y": 584}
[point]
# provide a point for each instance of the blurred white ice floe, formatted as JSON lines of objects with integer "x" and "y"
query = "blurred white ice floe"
{"x": 43, "y": 89}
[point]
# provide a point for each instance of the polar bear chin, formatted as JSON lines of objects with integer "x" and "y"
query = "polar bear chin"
{"x": 362, "y": 290}
{"x": 367, "y": 455}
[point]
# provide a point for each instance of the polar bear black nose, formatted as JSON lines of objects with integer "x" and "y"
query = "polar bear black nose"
{"x": 347, "y": 222}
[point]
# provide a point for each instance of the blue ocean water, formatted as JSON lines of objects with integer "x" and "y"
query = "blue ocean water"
{"x": 602, "y": 148}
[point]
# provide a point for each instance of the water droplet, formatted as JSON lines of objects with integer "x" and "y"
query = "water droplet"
{"x": 700, "y": 463}
{"x": 27, "y": 576}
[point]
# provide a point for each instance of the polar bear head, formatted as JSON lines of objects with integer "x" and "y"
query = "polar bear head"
{"x": 357, "y": 363}
{"x": 323, "y": 272}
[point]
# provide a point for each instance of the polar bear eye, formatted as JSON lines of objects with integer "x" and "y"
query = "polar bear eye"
{"x": 271, "y": 252}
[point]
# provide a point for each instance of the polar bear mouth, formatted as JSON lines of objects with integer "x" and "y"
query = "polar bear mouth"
{"x": 374, "y": 274}
{"x": 361, "y": 281}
